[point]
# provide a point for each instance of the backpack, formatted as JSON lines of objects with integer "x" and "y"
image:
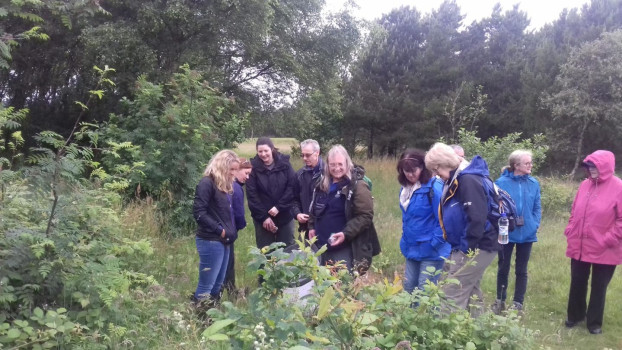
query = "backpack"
{"x": 359, "y": 172}
{"x": 499, "y": 201}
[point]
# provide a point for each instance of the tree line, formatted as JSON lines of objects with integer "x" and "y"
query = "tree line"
{"x": 288, "y": 68}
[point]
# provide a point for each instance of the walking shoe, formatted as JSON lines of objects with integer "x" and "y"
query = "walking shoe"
{"x": 518, "y": 307}
{"x": 596, "y": 331}
{"x": 570, "y": 324}
{"x": 498, "y": 307}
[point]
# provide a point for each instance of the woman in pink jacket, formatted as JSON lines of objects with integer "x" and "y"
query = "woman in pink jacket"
{"x": 594, "y": 235}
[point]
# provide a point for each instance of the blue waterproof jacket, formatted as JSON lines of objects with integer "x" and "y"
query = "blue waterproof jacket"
{"x": 422, "y": 237}
{"x": 525, "y": 190}
{"x": 464, "y": 209}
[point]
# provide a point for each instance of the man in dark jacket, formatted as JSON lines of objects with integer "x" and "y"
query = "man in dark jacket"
{"x": 464, "y": 220}
{"x": 307, "y": 178}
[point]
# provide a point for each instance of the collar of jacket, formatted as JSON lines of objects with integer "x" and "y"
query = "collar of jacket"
{"x": 280, "y": 162}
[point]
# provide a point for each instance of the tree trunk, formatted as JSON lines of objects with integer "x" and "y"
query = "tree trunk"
{"x": 577, "y": 160}
{"x": 370, "y": 144}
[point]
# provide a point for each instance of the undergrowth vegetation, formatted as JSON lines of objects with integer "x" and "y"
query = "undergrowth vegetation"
{"x": 109, "y": 274}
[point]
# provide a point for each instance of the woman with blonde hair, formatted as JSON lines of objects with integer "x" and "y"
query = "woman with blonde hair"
{"x": 516, "y": 180}
{"x": 463, "y": 216}
{"x": 216, "y": 229}
{"x": 342, "y": 213}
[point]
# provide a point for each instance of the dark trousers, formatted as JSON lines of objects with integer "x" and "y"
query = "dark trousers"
{"x": 579, "y": 275}
{"x": 284, "y": 234}
{"x": 523, "y": 252}
{"x": 229, "y": 283}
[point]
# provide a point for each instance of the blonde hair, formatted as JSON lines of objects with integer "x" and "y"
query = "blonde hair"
{"x": 515, "y": 158}
{"x": 219, "y": 169}
{"x": 328, "y": 179}
{"x": 441, "y": 155}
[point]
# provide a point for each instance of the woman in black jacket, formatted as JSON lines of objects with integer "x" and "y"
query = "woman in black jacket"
{"x": 270, "y": 194}
{"x": 216, "y": 228}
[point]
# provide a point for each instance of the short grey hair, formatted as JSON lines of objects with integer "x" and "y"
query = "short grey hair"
{"x": 442, "y": 155}
{"x": 457, "y": 147}
{"x": 310, "y": 142}
{"x": 515, "y": 158}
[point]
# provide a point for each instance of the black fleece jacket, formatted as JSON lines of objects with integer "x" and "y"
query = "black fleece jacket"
{"x": 267, "y": 188}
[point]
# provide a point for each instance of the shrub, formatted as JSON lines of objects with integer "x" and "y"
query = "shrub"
{"x": 346, "y": 313}
{"x": 496, "y": 150}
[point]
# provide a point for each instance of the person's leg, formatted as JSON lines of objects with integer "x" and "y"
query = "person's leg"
{"x": 285, "y": 234}
{"x": 523, "y": 252}
{"x": 222, "y": 271}
{"x": 263, "y": 237}
{"x": 468, "y": 272}
{"x": 411, "y": 275}
{"x": 505, "y": 259}
{"x": 473, "y": 279}
{"x": 579, "y": 276}
{"x": 425, "y": 275}
{"x": 334, "y": 256}
{"x": 229, "y": 282}
{"x": 211, "y": 254}
{"x": 601, "y": 276}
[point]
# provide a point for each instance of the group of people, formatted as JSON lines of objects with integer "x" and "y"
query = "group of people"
{"x": 445, "y": 220}
{"x": 327, "y": 198}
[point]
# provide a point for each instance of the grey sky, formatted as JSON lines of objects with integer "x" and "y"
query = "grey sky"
{"x": 539, "y": 11}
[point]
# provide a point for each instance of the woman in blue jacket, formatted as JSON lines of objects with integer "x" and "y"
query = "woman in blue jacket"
{"x": 525, "y": 190}
{"x": 422, "y": 240}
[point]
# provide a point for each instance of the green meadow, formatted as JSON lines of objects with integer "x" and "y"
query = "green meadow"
{"x": 175, "y": 260}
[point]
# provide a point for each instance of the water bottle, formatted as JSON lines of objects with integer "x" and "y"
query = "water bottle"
{"x": 503, "y": 229}
{"x": 332, "y": 239}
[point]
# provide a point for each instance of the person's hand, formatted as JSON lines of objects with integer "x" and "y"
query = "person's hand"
{"x": 269, "y": 225}
{"x": 338, "y": 238}
{"x": 223, "y": 233}
{"x": 273, "y": 211}
{"x": 311, "y": 234}
{"x": 302, "y": 218}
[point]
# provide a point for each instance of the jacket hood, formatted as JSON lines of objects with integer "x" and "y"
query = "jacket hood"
{"x": 478, "y": 166}
{"x": 605, "y": 162}
{"x": 280, "y": 161}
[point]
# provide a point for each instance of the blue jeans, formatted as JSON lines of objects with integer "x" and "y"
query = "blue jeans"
{"x": 416, "y": 273}
{"x": 213, "y": 260}
{"x": 523, "y": 251}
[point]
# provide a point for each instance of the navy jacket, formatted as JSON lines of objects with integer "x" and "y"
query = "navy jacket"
{"x": 464, "y": 209}
{"x": 422, "y": 237}
{"x": 238, "y": 206}
{"x": 212, "y": 212}
{"x": 525, "y": 190}
{"x": 267, "y": 188}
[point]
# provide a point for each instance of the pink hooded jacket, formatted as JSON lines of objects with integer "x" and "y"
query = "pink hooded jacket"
{"x": 594, "y": 231}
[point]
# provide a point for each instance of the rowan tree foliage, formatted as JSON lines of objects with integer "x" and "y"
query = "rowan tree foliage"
{"x": 178, "y": 126}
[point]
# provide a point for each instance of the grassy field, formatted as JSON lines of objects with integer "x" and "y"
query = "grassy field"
{"x": 549, "y": 269}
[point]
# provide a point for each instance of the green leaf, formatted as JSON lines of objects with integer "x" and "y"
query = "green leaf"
{"x": 84, "y": 107}
{"x": 38, "y": 312}
{"x": 217, "y": 326}
{"x": 325, "y": 306}
{"x": 13, "y": 333}
{"x": 470, "y": 346}
{"x": 217, "y": 337}
{"x": 299, "y": 347}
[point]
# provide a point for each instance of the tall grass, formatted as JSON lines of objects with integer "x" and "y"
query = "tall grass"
{"x": 175, "y": 262}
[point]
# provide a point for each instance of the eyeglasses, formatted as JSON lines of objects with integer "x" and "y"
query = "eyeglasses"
{"x": 307, "y": 155}
{"x": 528, "y": 164}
